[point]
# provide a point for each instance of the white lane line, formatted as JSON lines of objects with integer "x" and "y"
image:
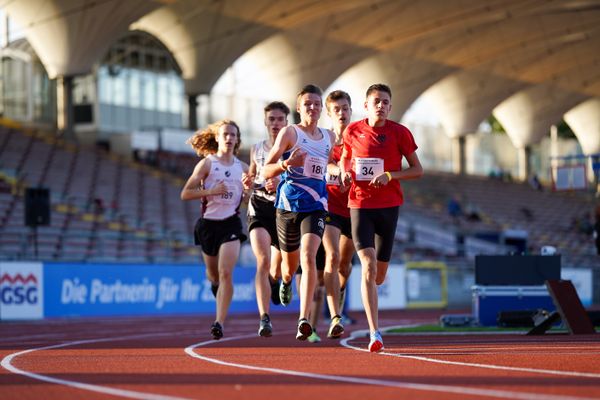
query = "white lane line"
{"x": 469, "y": 352}
{"x": 7, "y": 364}
{"x": 521, "y": 349}
{"x": 504, "y": 394}
{"x": 344, "y": 342}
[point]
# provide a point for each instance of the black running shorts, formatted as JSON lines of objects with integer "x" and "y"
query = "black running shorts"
{"x": 264, "y": 217}
{"x": 292, "y": 225}
{"x": 376, "y": 228}
{"x": 211, "y": 234}
{"x": 342, "y": 223}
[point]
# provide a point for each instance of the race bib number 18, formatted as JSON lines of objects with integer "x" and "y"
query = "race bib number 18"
{"x": 368, "y": 168}
{"x": 315, "y": 167}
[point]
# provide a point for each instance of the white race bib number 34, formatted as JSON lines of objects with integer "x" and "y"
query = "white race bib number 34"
{"x": 315, "y": 167}
{"x": 367, "y": 168}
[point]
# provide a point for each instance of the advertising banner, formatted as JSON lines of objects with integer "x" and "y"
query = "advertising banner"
{"x": 21, "y": 290}
{"x": 94, "y": 289}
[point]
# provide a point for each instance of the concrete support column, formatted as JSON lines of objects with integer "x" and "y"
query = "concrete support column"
{"x": 524, "y": 154}
{"x": 459, "y": 160}
{"x": 64, "y": 106}
{"x": 193, "y": 112}
{"x": 5, "y": 32}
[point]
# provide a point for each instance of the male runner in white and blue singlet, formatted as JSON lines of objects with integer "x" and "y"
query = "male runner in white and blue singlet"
{"x": 300, "y": 154}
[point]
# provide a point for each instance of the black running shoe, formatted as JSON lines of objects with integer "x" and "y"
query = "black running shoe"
{"x": 285, "y": 293}
{"x": 275, "y": 291}
{"x": 214, "y": 288}
{"x": 265, "y": 328}
{"x": 304, "y": 329}
{"x": 216, "y": 330}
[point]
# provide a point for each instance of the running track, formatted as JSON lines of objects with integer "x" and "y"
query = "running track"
{"x": 173, "y": 358}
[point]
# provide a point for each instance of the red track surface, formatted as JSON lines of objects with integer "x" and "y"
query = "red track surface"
{"x": 147, "y": 358}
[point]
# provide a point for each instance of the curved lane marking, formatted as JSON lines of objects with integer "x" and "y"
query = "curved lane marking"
{"x": 504, "y": 394}
{"x": 361, "y": 333}
{"x": 7, "y": 364}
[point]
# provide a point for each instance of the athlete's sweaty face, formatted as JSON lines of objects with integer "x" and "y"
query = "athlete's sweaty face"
{"x": 340, "y": 112}
{"x": 275, "y": 120}
{"x": 378, "y": 106}
{"x": 310, "y": 106}
{"x": 227, "y": 137}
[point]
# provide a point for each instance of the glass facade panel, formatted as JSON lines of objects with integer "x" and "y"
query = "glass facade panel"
{"x": 162, "y": 94}
{"x": 119, "y": 85}
{"x": 140, "y": 79}
{"x": 176, "y": 95}
{"x": 149, "y": 85}
{"x": 2, "y": 78}
{"x": 135, "y": 82}
{"x": 44, "y": 100}
{"x": 104, "y": 89}
{"x": 27, "y": 93}
{"x": 15, "y": 88}
{"x": 84, "y": 89}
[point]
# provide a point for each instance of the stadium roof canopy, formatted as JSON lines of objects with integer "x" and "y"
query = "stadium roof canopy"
{"x": 527, "y": 61}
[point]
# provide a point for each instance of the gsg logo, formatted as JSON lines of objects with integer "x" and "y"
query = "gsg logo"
{"x": 18, "y": 289}
{"x": 21, "y": 290}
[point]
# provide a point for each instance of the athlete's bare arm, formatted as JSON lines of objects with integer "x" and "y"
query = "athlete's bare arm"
{"x": 284, "y": 141}
{"x": 414, "y": 170}
{"x": 345, "y": 168}
{"x": 250, "y": 175}
{"x": 246, "y": 180}
{"x": 194, "y": 187}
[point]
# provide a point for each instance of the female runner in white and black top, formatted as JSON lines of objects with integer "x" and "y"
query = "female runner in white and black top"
{"x": 217, "y": 182}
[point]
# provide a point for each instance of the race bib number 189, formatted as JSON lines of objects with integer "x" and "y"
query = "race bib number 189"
{"x": 231, "y": 196}
{"x": 368, "y": 168}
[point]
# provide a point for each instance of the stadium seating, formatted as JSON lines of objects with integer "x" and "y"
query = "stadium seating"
{"x": 103, "y": 208}
{"x": 106, "y": 208}
{"x": 547, "y": 217}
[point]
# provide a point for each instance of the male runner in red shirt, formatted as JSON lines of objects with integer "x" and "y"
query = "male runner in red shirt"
{"x": 372, "y": 163}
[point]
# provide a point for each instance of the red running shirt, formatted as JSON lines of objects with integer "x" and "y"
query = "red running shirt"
{"x": 389, "y": 143}
{"x": 337, "y": 201}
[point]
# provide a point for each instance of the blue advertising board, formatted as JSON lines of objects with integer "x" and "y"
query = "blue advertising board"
{"x": 81, "y": 290}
